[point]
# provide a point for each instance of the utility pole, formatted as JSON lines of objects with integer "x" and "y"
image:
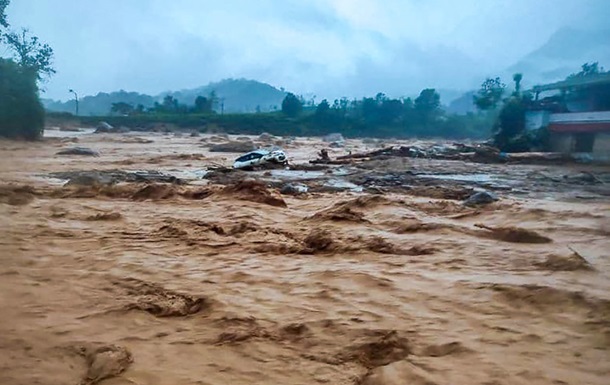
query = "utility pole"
{"x": 222, "y": 106}
{"x": 75, "y": 98}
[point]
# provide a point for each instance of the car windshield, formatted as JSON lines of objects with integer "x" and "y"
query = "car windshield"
{"x": 249, "y": 156}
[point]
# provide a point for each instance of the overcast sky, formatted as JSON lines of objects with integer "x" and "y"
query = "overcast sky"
{"x": 325, "y": 47}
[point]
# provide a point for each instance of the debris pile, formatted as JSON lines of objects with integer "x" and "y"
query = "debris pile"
{"x": 481, "y": 153}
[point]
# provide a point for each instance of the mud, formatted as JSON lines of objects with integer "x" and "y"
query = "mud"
{"x": 160, "y": 302}
{"x": 514, "y": 234}
{"x": 16, "y": 195}
{"x": 253, "y": 191}
{"x": 219, "y": 279}
{"x": 572, "y": 262}
{"x": 104, "y": 362}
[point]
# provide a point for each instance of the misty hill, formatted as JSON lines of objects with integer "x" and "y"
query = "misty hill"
{"x": 99, "y": 104}
{"x": 563, "y": 54}
{"x": 462, "y": 105}
{"x": 238, "y": 95}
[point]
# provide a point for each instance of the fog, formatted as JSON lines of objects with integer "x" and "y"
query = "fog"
{"x": 327, "y": 48}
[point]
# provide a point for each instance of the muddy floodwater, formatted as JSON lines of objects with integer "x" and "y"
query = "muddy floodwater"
{"x": 166, "y": 268}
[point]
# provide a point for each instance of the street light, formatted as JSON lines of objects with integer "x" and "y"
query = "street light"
{"x": 75, "y": 98}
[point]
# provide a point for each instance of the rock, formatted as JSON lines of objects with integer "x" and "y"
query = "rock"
{"x": 294, "y": 189}
{"x": 336, "y": 144}
{"x": 103, "y": 127}
{"x": 84, "y": 151}
{"x": 481, "y": 198}
{"x": 334, "y": 137}
{"x": 582, "y": 177}
{"x": 194, "y": 134}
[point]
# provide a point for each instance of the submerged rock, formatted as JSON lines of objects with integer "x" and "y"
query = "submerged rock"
{"x": 294, "y": 189}
{"x": 481, "y": 198}
{"x": 84, "y": 151}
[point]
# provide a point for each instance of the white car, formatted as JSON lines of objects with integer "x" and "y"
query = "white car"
{"x": 260, "y": 157}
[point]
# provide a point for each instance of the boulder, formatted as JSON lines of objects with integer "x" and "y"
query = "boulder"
{"x": 481, "y": 198}
{"x": 294, "y": 189}
{"x": 103, "y": 127}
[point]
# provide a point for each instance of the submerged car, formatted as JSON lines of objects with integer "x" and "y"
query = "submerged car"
{"x": 260, "y": 157}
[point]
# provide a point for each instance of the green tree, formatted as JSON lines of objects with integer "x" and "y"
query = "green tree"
{"x": 588, "y": 69}
{"x": 490, "y": 94}
{"x": 169, "y": 105}
{"x": 509, "y": 130}
{"x": 21, "y": 113}
{"x": 122, "y": 108}
{"x": 323, "y": 108}
{"x": 427, "y": 105}
{"x": 292, "y": 105}
{"x": 29, "y": 52}
{"x": 3, "y": 5}
{"x": 203, "y": 105}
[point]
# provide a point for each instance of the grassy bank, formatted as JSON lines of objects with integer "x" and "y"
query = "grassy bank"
{"x": 276, "y": 123}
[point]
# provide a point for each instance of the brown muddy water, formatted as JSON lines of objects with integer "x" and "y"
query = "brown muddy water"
{"x": 228, "y": 282}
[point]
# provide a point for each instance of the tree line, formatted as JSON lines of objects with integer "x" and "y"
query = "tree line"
{"x": 382, "y": 116}
{"x": 379, "y": 116}
{"x": 170, "y": 105}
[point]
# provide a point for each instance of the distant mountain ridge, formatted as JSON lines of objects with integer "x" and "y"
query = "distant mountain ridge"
{"x": 237, "y": 95}
{"x": 564, "y": 53}
{"x": 561, "y": 55}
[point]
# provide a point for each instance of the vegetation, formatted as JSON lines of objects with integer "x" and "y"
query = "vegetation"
{"x": 3, "y": 5}
{"x": 509, "y": 133}
{"x": 291, "y": 105}
{"x": 21, "y": 112}
{"x": 377, "y": 116}
{"x": 490, "y": 94}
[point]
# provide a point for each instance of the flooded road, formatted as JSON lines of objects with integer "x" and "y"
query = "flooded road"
{"x": 378, "y": 281}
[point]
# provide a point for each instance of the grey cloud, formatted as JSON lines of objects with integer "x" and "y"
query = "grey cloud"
{"x": 324, "y": 47}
